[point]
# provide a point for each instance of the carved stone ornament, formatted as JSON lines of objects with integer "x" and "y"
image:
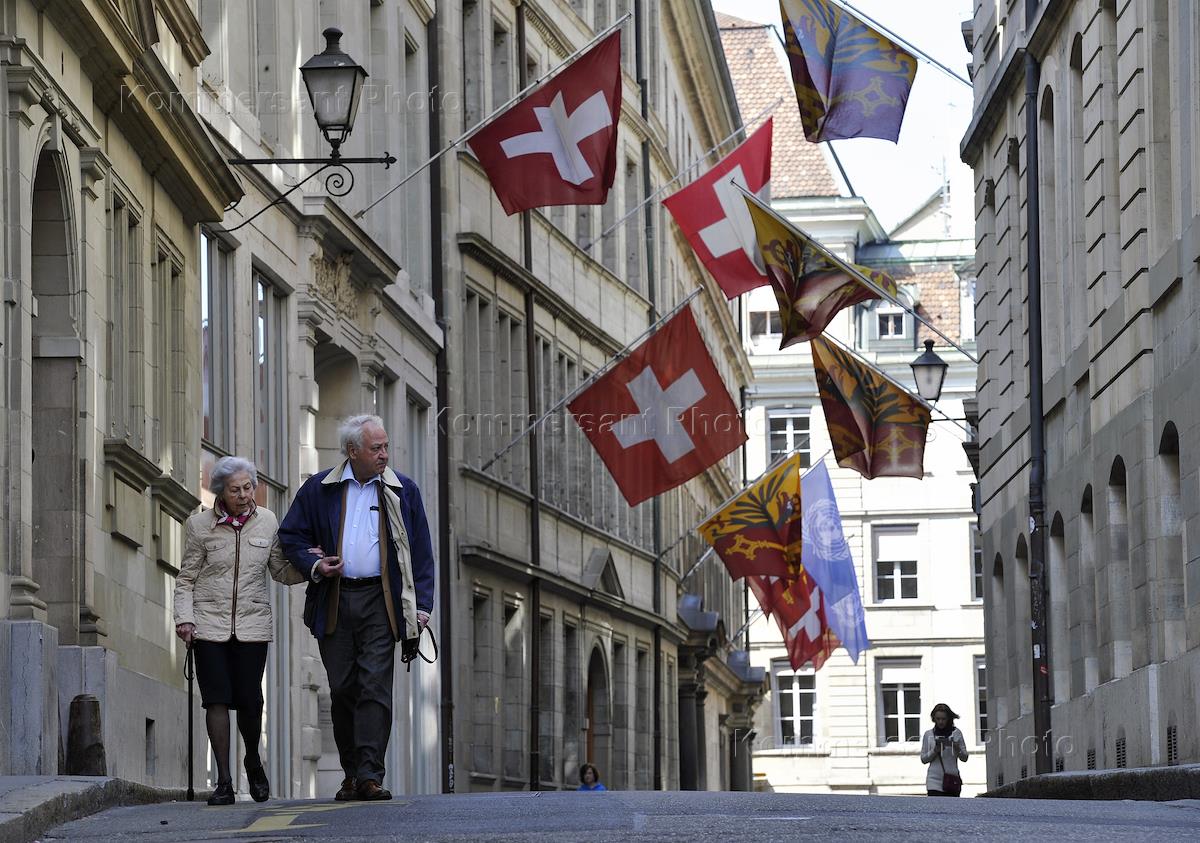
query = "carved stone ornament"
{"x": 331, "y": 278}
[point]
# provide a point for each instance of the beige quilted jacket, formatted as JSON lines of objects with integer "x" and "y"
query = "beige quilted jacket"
{"x": 222, "y": 585}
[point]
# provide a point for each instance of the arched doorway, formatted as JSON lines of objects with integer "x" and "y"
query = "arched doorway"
{"x": 599, "y": 713}
{"x": 54, "y": 386}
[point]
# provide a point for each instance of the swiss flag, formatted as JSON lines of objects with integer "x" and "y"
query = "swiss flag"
{"x": 799, "y": 609}
{"x": 713, "y": 216}
{"x": 558, "y": 146}
{"x": 662, "y": 415}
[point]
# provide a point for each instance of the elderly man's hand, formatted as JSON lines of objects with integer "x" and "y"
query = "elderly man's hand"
{"x": 186, "y": 632}
{"x": 422, "y": 620}
{"x": 330, "y": 566}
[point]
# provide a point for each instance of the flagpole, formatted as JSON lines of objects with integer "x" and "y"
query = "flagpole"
{"x": 496, "y": 112}
{"x": 858, "y": 276}
{"x": 616, "y": 358}
{"x": 698, "y": 160}
{"x": 780, "y": 460}
{"x": 931, "y": 407}
{"x": 753, "y": 617}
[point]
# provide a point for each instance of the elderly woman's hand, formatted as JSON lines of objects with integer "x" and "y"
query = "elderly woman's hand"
{"x": 186, "y": 632}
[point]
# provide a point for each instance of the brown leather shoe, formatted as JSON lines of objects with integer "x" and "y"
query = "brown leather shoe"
{"x": 370, "y": 791}
{"x": 348, "y": 791}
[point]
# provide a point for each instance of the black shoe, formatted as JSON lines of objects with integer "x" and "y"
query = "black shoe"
{"x": 260, "y": 788}
{"x": 222, "y": 794}
{"x": 348, "y": 792}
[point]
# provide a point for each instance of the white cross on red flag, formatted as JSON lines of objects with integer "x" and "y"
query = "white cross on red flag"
{"x": 662, "y": 415}
{"x": 799, "y": 609}
{"x": 713, "y": 216}
{"x": 558, "y": 146}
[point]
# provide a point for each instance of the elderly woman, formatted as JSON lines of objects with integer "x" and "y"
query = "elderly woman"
{"x": 223, "y": 613}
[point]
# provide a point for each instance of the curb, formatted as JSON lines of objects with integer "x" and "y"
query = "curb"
{"x": 1153, "y": 784}
{"x": 63, "y": 807}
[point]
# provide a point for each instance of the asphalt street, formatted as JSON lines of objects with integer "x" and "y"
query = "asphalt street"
{"x": 642, "y": 816}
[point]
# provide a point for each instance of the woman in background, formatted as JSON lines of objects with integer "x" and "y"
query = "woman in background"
{"x": 942, "y": 747}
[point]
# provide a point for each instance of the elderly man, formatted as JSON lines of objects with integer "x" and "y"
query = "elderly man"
{"x": 376, "y": 588}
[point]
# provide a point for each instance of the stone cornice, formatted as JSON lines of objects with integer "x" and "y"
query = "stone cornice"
{"x": 992, "y": 106}
{"x": 337, "y": 231}
{"x": 186, "y": 29}
{"x": 554, "y": 37}
{"x": 129, "y": 464}
{"x": 175, "y": 500}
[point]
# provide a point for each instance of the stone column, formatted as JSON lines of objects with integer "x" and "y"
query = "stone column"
{"x": 701, "y": 735}
{"x": 688, "y": 779}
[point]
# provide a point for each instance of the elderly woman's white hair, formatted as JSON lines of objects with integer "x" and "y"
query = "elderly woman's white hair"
{"x": 351, "y": 431}
{"x": 225, "y": 468}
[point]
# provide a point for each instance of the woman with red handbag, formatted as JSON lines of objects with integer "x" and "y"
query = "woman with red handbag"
{"x": 942, "y": 748}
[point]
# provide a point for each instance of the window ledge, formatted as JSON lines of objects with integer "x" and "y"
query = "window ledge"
{"x": 793, "y": 752}
{"x": 176, "y": 500}
{"x": 901, "y": 604}
{"x": 906, "y": 748}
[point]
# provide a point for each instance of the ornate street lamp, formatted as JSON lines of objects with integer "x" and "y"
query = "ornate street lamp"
{"x": 334, "y": 81}
{"x": 929, "y": 371}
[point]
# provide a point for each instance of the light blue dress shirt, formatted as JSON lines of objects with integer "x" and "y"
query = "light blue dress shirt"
{"x": 360, "y": 531}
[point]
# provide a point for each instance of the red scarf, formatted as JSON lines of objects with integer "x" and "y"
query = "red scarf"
{"x": 234, "y": 521}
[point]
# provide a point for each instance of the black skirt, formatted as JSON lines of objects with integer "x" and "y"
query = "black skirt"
{"x": 231, "y": 672}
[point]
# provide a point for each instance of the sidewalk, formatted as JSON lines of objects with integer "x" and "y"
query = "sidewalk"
{"x": 32, "y": 805}
{"x": 1156, "y": 784}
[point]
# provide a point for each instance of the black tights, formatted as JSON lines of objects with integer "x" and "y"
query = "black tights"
{"x": 249, "y": 725}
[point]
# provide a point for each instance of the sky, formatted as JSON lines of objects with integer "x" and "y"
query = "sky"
{"x": 896, "y": 179}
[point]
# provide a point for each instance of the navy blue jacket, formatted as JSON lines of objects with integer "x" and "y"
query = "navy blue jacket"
{"x": 314, "y": 520}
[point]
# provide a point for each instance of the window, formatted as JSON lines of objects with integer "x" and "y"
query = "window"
{"x": 981, "y": 712}
{"x": 169, "y": 351}
{"x": 472, "y": 63}
{"x": 215, "y": 337}
{"x": 418, "y": 417}
{"x": 634, "y": 234}
{"x": 416, "y": 145}
{"x": 270, "y": 381}
{"x": 976, "y": 563}
{"x": 891, "y": 324}
{"x": 483, "y": 715}
{"x": 788, "y": 433}
{"x": 796, "y": 701}
{"x": 502, "y": 60}
{"x": 899, "y": 700}
{"x": 895, "y": 563}
{"x": 765, "y": 323}
{"x": 126, "y": 398}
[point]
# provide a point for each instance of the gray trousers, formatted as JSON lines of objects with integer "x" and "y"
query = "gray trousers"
{"x": 359, "y": 656}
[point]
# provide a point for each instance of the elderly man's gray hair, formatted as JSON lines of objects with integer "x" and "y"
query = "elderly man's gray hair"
{"x": 351, "y": 431}
{"x": 225, "y": 468}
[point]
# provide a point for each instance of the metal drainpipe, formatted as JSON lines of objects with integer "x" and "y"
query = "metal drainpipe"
{"x": 535, "y": 506}
{"x": 1043, "y": 763}
{"x": 639, "y": 59}
{"x": 437, "y": 282}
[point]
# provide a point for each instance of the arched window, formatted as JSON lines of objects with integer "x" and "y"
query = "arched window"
{"x": 1056, "y": 602}
{"x": 1171, "y": 551}
{"x": 1084, "y": 661}
{"x": 995, "y": 608}
{"x": 1114, "y": 582}
{"x": 1020, "y": 636}
{"x": 1053, "y": 326}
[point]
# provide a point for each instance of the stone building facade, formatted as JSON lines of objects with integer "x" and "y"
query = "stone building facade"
{"x": 106, "y": 187}
{"x": 1116, "y": 175}
{"x": 166, "y": 308}
{"x": 157, "y": 321}
{"x": 569, "y": 643}
{"x": 846, "y": 728}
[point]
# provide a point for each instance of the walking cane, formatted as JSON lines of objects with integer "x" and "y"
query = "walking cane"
{"x": 189, "y": 673}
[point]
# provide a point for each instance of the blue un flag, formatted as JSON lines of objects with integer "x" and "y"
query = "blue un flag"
{"x": 826, "y": 558}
